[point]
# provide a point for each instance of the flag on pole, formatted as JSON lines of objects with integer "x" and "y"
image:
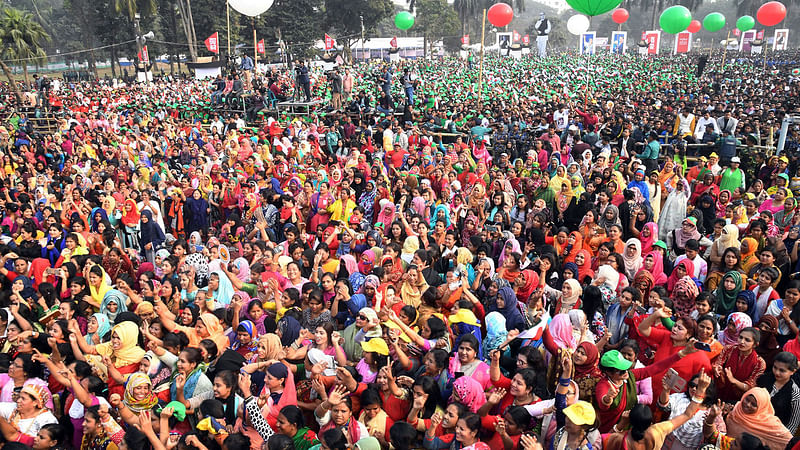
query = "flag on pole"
{"x": 393, "y": 42}
{"x": 736, "y": 32}
{"x": 760, "y": 35}
{"x": 516, "y": 36}
{"x": 526, "y": 40}
{"x": 465, "y": 39}
{"x": 329, "y": 42}
{"x": 212, "y": 43}
{"x": 144, "y": 56}
{"x": 260, "y": 47}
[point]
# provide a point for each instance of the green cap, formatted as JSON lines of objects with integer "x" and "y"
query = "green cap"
{"x": 660, "y": 244}
{"x": 614, "y": 360}
{"x": 178, "y": 410}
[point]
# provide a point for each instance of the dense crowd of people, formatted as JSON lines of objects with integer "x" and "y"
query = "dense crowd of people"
{"x": 573, "y": 255}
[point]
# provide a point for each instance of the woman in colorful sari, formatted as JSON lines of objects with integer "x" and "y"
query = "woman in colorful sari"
{"x": 130, "y": 224}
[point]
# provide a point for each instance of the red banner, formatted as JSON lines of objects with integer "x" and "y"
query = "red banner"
{"x": 144, "y": 56}
{"x": 465, "y": 39}
{"x": 653, "y": 39}
{"x": 329, "y": 42}
{"x": 260, "y": 47}
{"x": 515, "y": 36}
{"x": 393, "y": 42}
{"x": 683, "y": 42}
{"x": 736, "y": 32}
{"x": 526, "y": 40}
{"x": 760, "y": 35}
{"x": 212, "y": 43}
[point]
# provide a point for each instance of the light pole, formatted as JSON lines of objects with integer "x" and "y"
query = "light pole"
{"x": 138, "y": 32}
{"x": 362, "y": 36}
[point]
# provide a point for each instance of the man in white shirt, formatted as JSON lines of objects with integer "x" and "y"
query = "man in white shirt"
{"x": 702, "y": 123}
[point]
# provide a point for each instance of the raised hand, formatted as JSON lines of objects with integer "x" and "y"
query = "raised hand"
{"x": 244, "y": 384}
{"x": 497, "y": 395}
{"x": 529, "y": 442}
{"x": 337, "y": 396}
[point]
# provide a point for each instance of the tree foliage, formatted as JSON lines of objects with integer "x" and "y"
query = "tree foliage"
{"x": 21, "y": 40}
{"x": 343, "y": 18}
{"x": 436, "y": 20}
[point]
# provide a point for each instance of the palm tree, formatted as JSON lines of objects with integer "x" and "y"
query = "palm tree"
{"x": 467, "y": 9}
{"x": 131, "y": 7}
{"x": 21, "y": 38}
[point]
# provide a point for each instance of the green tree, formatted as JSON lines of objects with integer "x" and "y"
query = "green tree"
{"x": 436, "y": 20}
{"x": 21, "y": 38}
{"x": 467, "y": 11}
{"x": 296, "y": 22}
{"x": 343, "y": 19}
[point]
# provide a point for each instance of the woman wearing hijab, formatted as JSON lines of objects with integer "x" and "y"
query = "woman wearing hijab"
{"x": 729, "y": 238}
{"x": 684, "y": 268}
{"x": 754, "y": 414}
{"x": 768, "y": 346}
{"x": 673, "y": 211}
{"x": 207, "y": 327}
{"x": 496, "y": 332}
{"x": 152, "y": 236}
{"x": 130, "y": 224}
{"x": 736, "y": 322}
{"x": 199, "y": 210}
{"x": 506, "y": 304}
{"x": 609, "y": 216}
{"x": 648, "y": 236}
{"x": 586, "y": 360}
{"x": 114, "y": 302}
{"x": 289, "y": 330}
{"x": 677, "y": 239}
{"x": 632, "y": 257}
{"x": 97, "y": 328}
{"x": 123, "y": 352}
{"x": 469, "y": 392}
{"x": 727, "y": 292}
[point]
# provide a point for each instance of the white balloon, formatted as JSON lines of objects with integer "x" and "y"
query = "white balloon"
{"x": 251, "y": 8}
{"x": 578, "y": 24}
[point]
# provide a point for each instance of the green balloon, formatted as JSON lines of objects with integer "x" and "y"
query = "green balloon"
{"x": 745, "y": 23}
{"x": 593, "y": 8}
{"x": 714, "y": 22}
{"x": 675, "y": 19}
{"x": 404, "y": 20}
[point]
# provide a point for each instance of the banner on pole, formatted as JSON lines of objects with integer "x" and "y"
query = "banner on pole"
{"x": 465, "y": 39}
{"x": 526, "y": 40}
{"x": 212, "y": 43}
{"x": 736, "y": 32}
{"x": 781, "y": 39}
{"x": 329, "y": 42}
{"x": 393, "y": 42}
{"x": 683, "y": 43}
{"x": 144, "y": 56}
{"x": 588, "y": 42}
{"x": 760, "y": 34}
{"x": 653, "y": 39}
{"x": 515, "y": 36}
{"x": 747, "y": 38}
{"x": 619, "y": 40}
{"x": 260, "y": 47}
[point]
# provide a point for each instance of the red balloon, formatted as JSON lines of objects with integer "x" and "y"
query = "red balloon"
{"x": 694, "y": 26}
{"x": 620, "y": 15}
{"x": 500, "y": 14}
{"x": 771, "y": 13}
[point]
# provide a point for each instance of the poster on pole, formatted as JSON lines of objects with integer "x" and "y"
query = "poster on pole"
{"x": 747, "y": 37}
{"x": 619, "y": 40}
{"x": 781, "y": 40}
{"x": 683, "y": 43}
{"x": 588, "y": 42}
{"x": 503, "y": 40}
{"x": 653, "y": 39}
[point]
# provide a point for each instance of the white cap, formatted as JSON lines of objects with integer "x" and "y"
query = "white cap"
{"x": 736, "y": 159}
